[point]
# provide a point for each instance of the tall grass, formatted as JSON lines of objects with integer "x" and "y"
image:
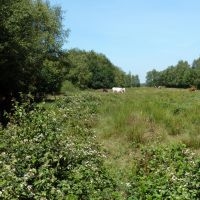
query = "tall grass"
{"x": 51, "y": 152}
{"x": 148, "y": 115}
{"x": 145, "y": 117}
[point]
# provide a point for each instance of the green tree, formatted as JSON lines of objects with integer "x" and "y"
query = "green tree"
{"x": 152, "y": 78}
{"x": 31, "y": 36}
{"x": 102, "y": 71}
{"x": 182, "y": 74}
{"x": 168, "y": 77}
{"x": 119, "y": 77}
{"x": 79, "y": 73}
{"x": 93, "y": 70}
{"x": 196, "y": 72}
{"x": 135, "y": 81}
{"x": 132, "y": 80}
{"x": 128, "y": 80}
{"x": 89, "y": 69}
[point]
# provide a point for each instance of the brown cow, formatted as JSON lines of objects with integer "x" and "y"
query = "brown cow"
{"x": 105, "y": 90}
{"x": 192, "y": 88}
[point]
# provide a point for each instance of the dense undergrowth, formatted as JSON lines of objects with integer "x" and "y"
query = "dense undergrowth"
{"x": 164, "y": 172}
{"x": 103, "y": 146}
{"x": 51, "y": 153}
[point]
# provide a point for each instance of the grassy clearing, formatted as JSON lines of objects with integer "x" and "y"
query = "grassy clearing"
{"x": 52, "y": 152}
{"x": 146, "y": 116}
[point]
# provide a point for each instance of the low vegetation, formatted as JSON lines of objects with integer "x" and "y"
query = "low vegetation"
{"x": 146, "y": 134}
{"x": 147, "y": 115}
{"x": 142, "y": 144}
{"x": 51, "y": 153}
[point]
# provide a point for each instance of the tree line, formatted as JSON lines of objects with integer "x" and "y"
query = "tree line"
{"x": 32, "y": 59}
{"x": 89, "y": 69}
{"x": 182, "y": 75}
{"x": 30, "y": 47}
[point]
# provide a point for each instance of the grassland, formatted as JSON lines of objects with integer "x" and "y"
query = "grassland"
{"x": 100, "y": 145}
{"x": 146, "y": 117}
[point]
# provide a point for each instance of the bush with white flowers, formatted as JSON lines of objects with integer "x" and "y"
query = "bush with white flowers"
{"x": 51, "y": 152}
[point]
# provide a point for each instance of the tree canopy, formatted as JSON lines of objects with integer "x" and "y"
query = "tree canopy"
{"x": 181, "y": 75}
{"x": 88, "y": 69}
{"x": 32, "y": 59}
{"x": 31, "y": 38}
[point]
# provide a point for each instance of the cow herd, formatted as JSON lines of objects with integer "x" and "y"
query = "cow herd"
{"x": 123, "y": 90}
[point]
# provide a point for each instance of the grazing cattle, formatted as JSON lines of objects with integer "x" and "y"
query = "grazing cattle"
{"x": 123, "y": 90}
{"x": 118, "y": 90}
{"x": 159, "y": 87}
{"x": 192, "y": 89}
{"x": 105, "y": 90}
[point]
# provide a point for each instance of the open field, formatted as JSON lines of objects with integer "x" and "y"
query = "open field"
{"x": 144, "y": 117}
{"x": 100, "y": 145}
{"x": 151, "y": 115}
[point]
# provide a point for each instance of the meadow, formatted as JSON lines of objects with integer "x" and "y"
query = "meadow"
{"x": 151, "y": 115}
{"x": 142, "y": 144}
{"x": 150, "y": 119}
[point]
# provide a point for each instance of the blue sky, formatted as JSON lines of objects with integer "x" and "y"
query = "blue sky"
{"x": 136, "y": 35}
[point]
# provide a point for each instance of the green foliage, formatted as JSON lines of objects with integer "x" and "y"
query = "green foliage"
{"x": 196, "y": 74}
{"x": 180, "y": 76}
{"x": 67, "y": 86}
{"x": 131, "y": 80}
{"x": 152, "y": 78}
{"x": 79, "y": 73}
{"x": 102, "y": 71}
{"x": 166, "y": 173}
{"x": 50, "y": 152}
{"x": 135, "y": 82}
{"x": 94, "y": 70}
{"x": 31, "y": 38}
{"x": 156, "y": 121}
{"x": 148, "y": 114}
{"x": 49, "y": 78}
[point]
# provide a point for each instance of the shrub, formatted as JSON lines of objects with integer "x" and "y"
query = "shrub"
{"x": 51, "y": 153}
{"x": 67, "y": 86}
{"x": 166, "y": 173}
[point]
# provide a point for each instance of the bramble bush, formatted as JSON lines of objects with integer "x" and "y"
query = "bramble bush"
{"x": 171, "y": 172}
{"x": 51, "y": 152}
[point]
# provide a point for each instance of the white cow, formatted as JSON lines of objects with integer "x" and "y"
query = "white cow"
{"x": 118, "y": 90}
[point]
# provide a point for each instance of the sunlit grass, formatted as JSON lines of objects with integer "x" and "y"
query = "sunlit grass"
{"x": 146, "y": 116}
{"x": 142, "y": 111}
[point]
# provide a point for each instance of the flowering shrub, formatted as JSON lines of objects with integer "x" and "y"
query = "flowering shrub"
{"x": 50, "y": 152}
{"x": 166, "y": 173}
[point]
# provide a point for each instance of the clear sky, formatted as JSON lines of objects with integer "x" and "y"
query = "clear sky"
{"x": 135, "y": 35}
